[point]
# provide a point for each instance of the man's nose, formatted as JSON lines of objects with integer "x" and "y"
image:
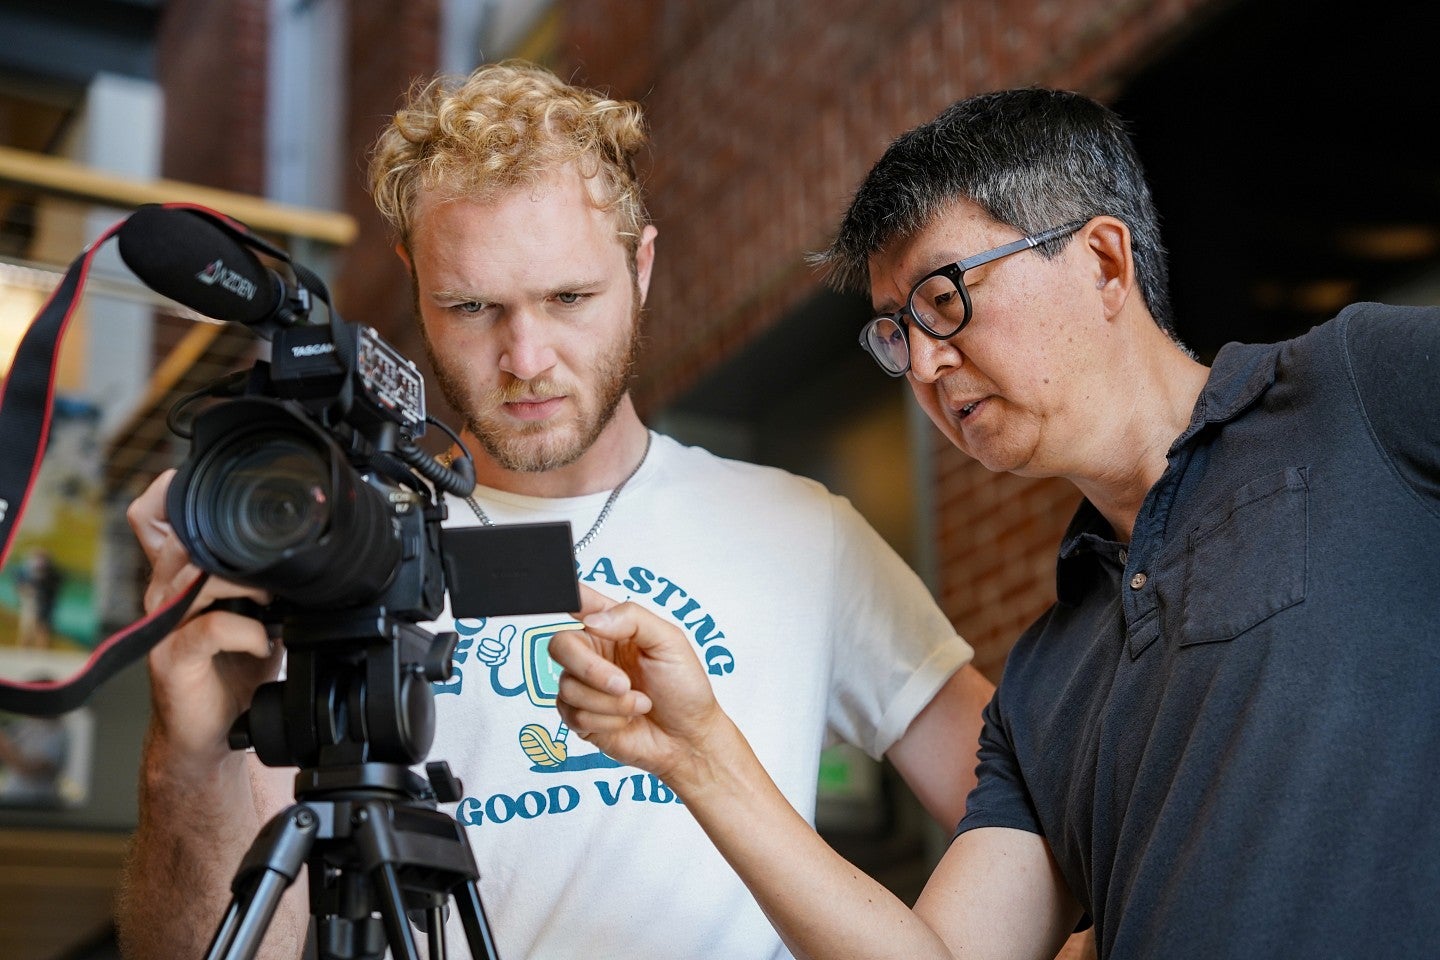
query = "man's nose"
{"x": 931, "y": 358}
{"x": 528, "y": 350}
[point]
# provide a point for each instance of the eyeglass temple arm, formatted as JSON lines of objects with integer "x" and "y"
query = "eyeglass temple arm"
{"x": 1024, "y": 243}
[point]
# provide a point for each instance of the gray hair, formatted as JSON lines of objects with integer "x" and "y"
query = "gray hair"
{"x": 1030, "y": 158}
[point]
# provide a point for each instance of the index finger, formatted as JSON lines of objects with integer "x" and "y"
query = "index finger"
{"x": 576, "y": 653}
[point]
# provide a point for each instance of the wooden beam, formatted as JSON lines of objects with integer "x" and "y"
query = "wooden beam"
{"x": 61, "y": 177}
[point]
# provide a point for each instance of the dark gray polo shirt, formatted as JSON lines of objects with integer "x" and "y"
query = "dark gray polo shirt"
{"x": 1229, "y": 731}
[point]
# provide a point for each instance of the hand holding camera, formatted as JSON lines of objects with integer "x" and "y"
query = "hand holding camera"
{"x": 203, "y": 675}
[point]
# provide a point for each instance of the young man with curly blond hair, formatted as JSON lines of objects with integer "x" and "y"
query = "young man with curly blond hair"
{"x": 515, "y": 204}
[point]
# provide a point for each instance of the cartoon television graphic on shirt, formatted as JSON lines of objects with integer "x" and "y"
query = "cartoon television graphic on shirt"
{"x": 540, "y": 681}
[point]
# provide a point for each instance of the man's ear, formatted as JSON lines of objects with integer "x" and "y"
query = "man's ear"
{"x": 645, "y": 259}
{"x": 404, "y": 256}
{"x": 1108, "y": 240}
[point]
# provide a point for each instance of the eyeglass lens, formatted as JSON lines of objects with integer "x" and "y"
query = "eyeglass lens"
{"x": 939, "y": 306}
{"x": 885, "y": 340}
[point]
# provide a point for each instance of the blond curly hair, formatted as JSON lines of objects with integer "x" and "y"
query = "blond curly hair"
{"x": 504, "y": 126}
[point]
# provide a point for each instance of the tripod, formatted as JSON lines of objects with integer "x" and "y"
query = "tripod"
{"x": 355, "y": 711}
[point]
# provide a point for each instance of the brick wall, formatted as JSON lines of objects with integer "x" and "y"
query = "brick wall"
{"x": 392, "y": 44}
{"x": 211, "y": 63}
{"x": 765, "y": 116}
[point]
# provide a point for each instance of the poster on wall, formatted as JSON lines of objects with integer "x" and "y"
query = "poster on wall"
{"x": 47, "y": 588}
{"x": 49, "y": 619}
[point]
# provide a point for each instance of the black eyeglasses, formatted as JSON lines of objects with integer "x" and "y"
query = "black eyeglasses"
{"x": 939, "y": 304}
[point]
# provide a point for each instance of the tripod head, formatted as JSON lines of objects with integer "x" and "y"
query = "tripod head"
{"x": 355, "y": 712}
{"x": 357, "y": 691}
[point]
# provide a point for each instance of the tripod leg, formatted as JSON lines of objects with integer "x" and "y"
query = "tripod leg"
{"x": 435, "y": 927}
{"x": 270, "y": 865}
{"x": 432, "y": 846}
{"x": 392, "y": 911}
{"x": 246, "y": 920}
{"x": 472, "y": 917}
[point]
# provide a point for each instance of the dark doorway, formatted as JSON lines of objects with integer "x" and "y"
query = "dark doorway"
{"x": 1288, "y": 147}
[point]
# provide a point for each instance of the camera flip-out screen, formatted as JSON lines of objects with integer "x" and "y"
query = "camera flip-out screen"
{"x": 511, "y": 569}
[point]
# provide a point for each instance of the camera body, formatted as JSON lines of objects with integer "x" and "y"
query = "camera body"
{"x": 302, "y": 486}
{"x": 297, "y": 486}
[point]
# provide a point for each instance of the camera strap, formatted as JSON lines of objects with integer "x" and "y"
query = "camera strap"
{"x": 49, "y": 698}
{"x": 26, "y": 404}
{"x": 28, "y": 397}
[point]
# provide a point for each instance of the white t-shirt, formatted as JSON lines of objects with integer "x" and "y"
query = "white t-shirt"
{"x": 813, "y": 631}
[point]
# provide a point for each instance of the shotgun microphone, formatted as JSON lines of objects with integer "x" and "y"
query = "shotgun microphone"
{"x": 188, "y": 258}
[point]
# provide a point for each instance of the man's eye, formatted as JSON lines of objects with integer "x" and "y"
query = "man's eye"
{"x": 568, "y": 298}
{"x": 469, "y": 306}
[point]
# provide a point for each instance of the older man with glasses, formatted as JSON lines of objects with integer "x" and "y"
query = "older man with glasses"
{"x": 1221, "y": 741}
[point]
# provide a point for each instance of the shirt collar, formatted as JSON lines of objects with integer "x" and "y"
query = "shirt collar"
{"x": 1088, "y": 535}
{"x": 1241, "y": 374}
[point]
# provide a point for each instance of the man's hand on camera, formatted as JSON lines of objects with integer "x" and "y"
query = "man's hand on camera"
{"x": 203, "y": 675}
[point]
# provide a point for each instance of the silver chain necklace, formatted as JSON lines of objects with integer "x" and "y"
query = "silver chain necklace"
{"x": 584, "y": 541}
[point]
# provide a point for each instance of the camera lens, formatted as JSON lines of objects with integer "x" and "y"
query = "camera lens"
{"x": 268, "y": 500}
{"x": 271, "y": 499}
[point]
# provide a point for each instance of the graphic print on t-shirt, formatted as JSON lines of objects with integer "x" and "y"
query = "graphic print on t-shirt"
{"x": 538, "y": 679}
{"x": 516, "y": 660}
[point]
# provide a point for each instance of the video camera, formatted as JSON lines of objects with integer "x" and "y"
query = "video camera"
{"x": 304, "y": 479}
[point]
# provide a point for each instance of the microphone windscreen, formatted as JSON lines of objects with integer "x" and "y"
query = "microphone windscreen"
{"x": 181, "y": 254}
